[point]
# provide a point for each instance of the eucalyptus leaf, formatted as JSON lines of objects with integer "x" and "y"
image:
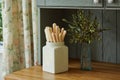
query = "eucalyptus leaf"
{"x": 83, "y": 28}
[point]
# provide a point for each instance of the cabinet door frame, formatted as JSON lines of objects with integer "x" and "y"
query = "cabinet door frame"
{"x": 115, "y": 4}
{"x": 73, "y": 3}
{"x": 40, "y": 2}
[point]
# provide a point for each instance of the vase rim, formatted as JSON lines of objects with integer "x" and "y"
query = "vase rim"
{"x": 55, "y": 43}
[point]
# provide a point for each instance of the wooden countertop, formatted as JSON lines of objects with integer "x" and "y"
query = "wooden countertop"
{"x": 101, "y": 71}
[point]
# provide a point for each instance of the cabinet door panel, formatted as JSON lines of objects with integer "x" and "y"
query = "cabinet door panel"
{"x": 109, "y": 37}
{"x": 114, "y": 4}
{"x": 83, "y": 3}
{"x": 118, "y": 36}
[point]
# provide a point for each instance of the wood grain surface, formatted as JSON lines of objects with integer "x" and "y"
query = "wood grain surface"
{"x": 100, "y": 71}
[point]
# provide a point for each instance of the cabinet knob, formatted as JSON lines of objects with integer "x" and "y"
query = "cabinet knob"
{"x": 110, "y": 1}
{"x": 96, "y": 1}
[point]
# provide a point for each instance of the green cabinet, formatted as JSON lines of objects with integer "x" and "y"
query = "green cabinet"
{"x": 113, "y": 4}
{"x": 78, "y": 3}
{"x": 40, "y": 2}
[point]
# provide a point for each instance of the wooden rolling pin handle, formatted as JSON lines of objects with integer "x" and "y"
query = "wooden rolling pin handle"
{"x": 47, "y": 34}
{"x": 54, "y": 27}
{"x": 53, "y": 37}
{"x": 63, "y": 36}
{"x": 60, "y": 37}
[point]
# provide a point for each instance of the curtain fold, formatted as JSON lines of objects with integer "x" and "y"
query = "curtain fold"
{"x": 20, "y": 35}
{"x": 26, "y": 4}
{"x": 35, "y": 31}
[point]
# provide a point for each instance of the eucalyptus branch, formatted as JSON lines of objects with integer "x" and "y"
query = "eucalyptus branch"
{"x": 83, "y": 28}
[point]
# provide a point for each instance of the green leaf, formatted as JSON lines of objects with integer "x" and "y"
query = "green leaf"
{"x": 83, "y": 28}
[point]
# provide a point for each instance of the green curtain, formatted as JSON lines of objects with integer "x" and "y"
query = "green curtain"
{"x": 20, "y": 35}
